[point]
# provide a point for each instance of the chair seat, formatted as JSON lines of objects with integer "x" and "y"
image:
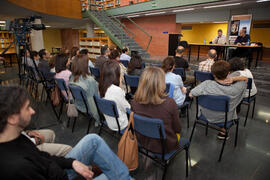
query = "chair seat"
{"x": 250, "y": 99}
{"x": 221, "y": 125}
{"x": 184, "y": 143}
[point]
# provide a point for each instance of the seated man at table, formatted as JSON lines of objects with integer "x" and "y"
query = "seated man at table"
{"x": 180, "y": 62}
{"x": 243, "y": 39}
{"x": 220, "y": 38}
{"x": 222, "y": 86}
{"x": 205, "y": 66}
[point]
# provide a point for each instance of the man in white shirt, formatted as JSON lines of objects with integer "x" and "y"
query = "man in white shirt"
{"x": 220, "y": 38}
{"x": 124, "y": 55}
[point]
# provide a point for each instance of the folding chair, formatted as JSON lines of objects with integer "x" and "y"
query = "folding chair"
{"x": 154, "y": 128}
{"x": 79, "y": 94}
{"x": 249, "y": 99}
{"x": 215, "y": 103}
{"x": 125, "y": 63}
{"x": 109, "y": 108}
{"x": 203, "y": 76}
{"x": 95, "y": 72}
{"x": 63, "y": 88}
{"x": 181, "y": 72}
{"x": 132, "y": 82}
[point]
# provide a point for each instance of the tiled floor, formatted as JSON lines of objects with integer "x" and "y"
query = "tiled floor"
{"x": 250, "y": 160}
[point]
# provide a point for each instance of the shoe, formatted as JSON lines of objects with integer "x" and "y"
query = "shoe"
{"x": 222, "y": 136}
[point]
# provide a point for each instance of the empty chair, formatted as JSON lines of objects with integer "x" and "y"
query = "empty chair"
{"x": 79, "y": 94}
{"x": 95, "y": 72}
{"x": 181, "y": 72}
{"x": 249, "y": 99}
{"x": 125, "y": 63}
{"x": 132, "y": 82}
{"x": 203, "y": 76}
{"x": 154, "y": 128}
{"x": 109, "y": 108}
{"x": 219, "y": 104}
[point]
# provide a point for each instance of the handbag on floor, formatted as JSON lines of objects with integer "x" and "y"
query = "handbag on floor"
{"x": 71, "y": 110}
{"x": 128, "y": 146}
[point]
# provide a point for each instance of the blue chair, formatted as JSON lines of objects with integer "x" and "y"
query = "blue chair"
{"x": 79, "y": 94}
{"x": 132, "y": 82}
{"x": 249, "y": 99}
{"x": 181, "y": 72}
{"x": 170, "y": 89}
{"x": 95, "y": 72}
{"x": 125, "y": 63}
{"x": 63, "y": 88}
{"x": 154, "y": 128}
{"x": 203, "y": 76}
{"x": 109, "y": 108}
{"x": 219, "y": 104}
{"x": 143, "y": 65}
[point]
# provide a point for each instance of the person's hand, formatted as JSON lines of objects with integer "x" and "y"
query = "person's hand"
{"x": 39, "y": 138}
{"x": 184, "y": 90}
{"x": 82, "y": 169}
{"x": 228, "y": 81}
{"x": 190, "y": 95}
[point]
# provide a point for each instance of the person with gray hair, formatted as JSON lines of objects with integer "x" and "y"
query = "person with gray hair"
{"x": 205, "y": 66}
{"x": 105, "y": 51}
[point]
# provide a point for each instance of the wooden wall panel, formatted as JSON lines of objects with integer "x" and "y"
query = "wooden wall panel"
{"x": 70, "y": 38}
{"x": 65, "y": 8}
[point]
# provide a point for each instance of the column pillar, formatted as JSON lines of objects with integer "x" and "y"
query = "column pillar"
{"x": 37, "y": 42}
{"x": 90, "y": 29}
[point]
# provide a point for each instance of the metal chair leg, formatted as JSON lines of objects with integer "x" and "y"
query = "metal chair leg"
{"x": 247, "y": 115}
{"x": 223, "y": 145}
{"x": 236, "y": 133}
{"x": 187, "y": 161}
{"x": 74, "y": 122}
{"x": 187, "y": 117}
{"x": 99, "y": 133}
{"x": 206, "y": 129}
{"x": 88, "y": 126}
{"x": 164, "y": 172}
{"x": 254, "y": 103}
{"x": 192, "y": 131}
{"x": 68, "y": 122}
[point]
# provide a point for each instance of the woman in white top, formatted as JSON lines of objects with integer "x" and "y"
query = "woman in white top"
{"x": 238, "y": 69}
{"x": 179, "y": 93}
{"x": 109, "y": 88}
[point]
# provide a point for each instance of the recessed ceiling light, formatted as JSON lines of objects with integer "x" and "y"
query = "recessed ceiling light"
{"x": 155, "y": 13}
{"x": 2, "y": 22}
{"x": 181, "y": 10}
{"x": 48, "y": 26}
{"x": 262, "y": 1}
{"x": 134, "y": 16}
{"x": 222, "y": 5}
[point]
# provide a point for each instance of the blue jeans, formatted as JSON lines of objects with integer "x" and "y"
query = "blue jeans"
{"x": 93, "y": 149}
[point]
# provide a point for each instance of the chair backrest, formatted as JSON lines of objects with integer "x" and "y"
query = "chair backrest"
{"x": 202, "y": 76}
{"x": 143, "y": 65}
{"x": 149, "y": 127}
{"x": 62, "y": 86}
{"x": 47, "y": 76}
{"x": 106, "y": 107}
{"x": 132, "y": 81}
{"x": 125, "y": 63}
{"x": 170, "y": 89}
{"x": 214, "y": 103}
{"x": 181, "y": 72}
{"x": 95, "y": 71}
{"x": 79, "y": 94}
{"x": 157, "y": 65}
{"x": 249, "y": 84}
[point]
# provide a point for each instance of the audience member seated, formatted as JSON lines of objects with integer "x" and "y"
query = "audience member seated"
{"x": 205, "y": 66}
{"x": 74, "y": 52}
{"x": 180, "y": 62}
{"x": 86, "y": 52}
{"x": 109, "y": 88}
{"x": 115, "y": 56}
{"x": 44, "y": 140}
{"x": 179, "y": 93}
{"x": 150, "y": 100}
{"x": 62, "y": 62}
{"x": 21, "y": 159}
{"x": 124, "y": 55}
{"x": 81, "y": 77}
{"x": 44, "y": 60}
{"x": 238, "y": 69}
{"x": 222, "y": 86}
{"x": 135, "y": 66}
{"x": 105, "y": 51}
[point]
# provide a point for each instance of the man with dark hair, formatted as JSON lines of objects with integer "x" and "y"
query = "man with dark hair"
{"x": 43, "y": 64}
{"x": 220, "y": 38}
{"x": 205, "y": 66}
{"x": 180, "y": 62}
{"x": 105, "y": 51}
{"x": 20, "y": 158}
{"x": 124, "y": 55}
{"x": 221, "y": 86}
{"x": 86, "y": 52}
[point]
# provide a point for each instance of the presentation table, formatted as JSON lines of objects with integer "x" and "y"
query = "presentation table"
{"x": 226, "y": 46}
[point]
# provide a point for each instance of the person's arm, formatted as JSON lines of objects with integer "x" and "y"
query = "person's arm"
{"x": 231, "y": 80}
{"x": 198, "y": 90}
{"x": 237, "y": 40}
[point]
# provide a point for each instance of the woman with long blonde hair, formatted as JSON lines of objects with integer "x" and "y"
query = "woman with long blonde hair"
{"x": 150, "y": 100}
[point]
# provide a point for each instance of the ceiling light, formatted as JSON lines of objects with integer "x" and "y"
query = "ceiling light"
{"x": 220, "y": 22}
{"x": 134, "y": 16}
{"x": 155, "y": 13}
{"x": 48, "y": 26}
{"x": 262, "y": 1}
{"x": 181, "y": 10}
{"x": 2, "y": 25}
{"x": 222, "y": 5}
{"x": 3, "y": 22}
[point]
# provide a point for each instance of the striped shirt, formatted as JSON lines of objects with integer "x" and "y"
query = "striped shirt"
{"x": 205, "y": 66}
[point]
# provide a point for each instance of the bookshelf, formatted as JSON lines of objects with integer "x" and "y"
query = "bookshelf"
{"x": 6, "y": 39}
